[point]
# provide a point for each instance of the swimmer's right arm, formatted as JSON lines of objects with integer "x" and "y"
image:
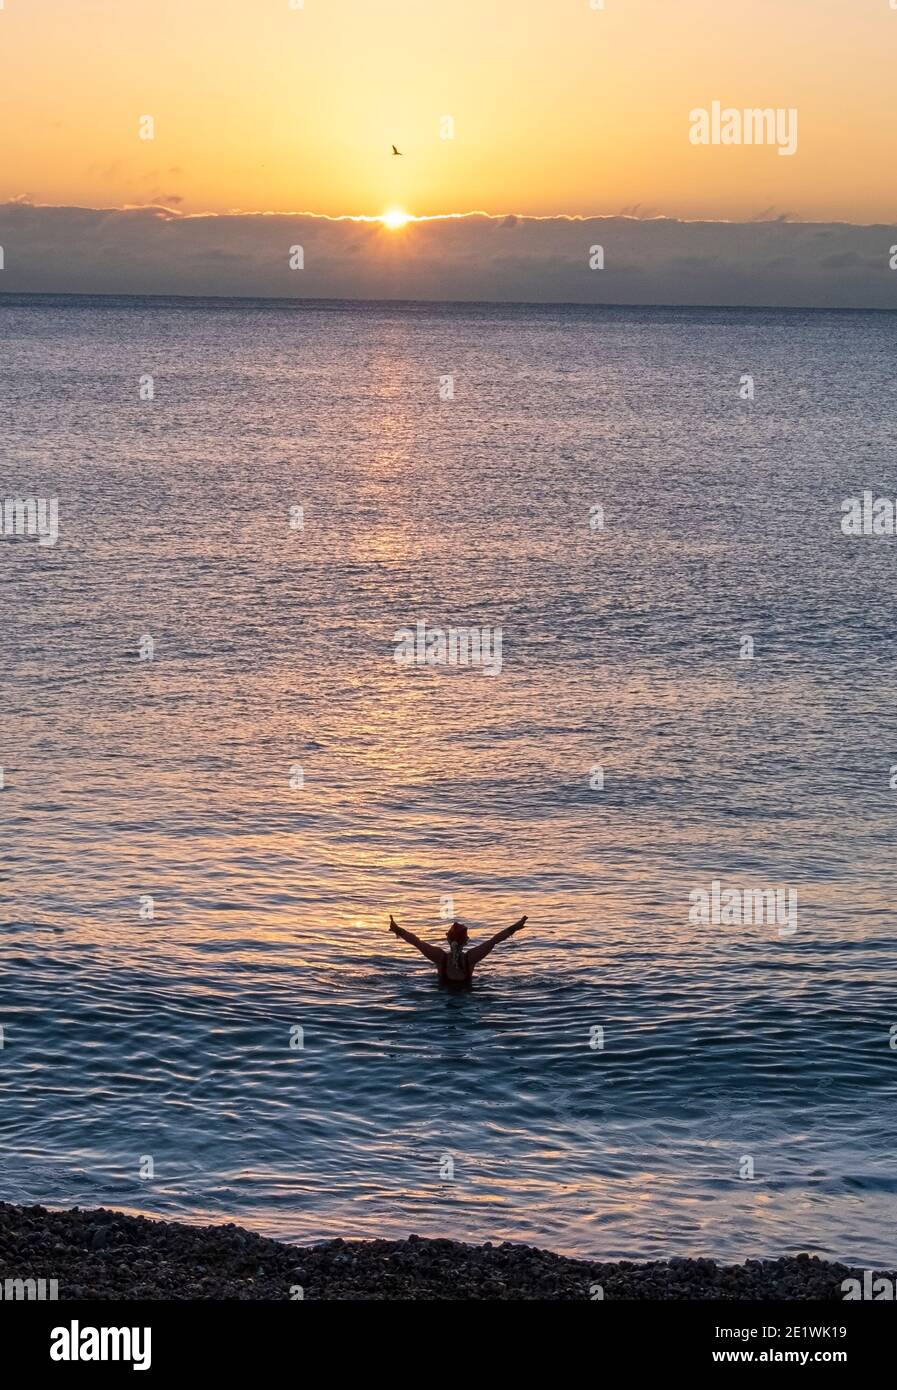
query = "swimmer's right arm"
{"x": 478, "y": 953}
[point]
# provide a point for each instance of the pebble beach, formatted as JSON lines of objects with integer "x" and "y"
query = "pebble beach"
{"x": 107, "y": 1255}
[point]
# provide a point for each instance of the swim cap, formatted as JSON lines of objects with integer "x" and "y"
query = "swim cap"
{"x": 457, "y": 932}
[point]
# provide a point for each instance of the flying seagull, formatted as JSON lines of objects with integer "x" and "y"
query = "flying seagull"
{"x": 395, "y": 151}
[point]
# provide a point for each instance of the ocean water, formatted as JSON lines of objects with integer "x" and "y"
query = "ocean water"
{"x": 622, "y": 1081}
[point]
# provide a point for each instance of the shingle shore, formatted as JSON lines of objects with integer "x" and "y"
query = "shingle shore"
{"x": 103, "y": 1254}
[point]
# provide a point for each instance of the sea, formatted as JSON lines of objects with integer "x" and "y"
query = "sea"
{"x": 222, "y": 771}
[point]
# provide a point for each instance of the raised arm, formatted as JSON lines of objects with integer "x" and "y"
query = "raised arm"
{"x": 432, "y": 953}
{"x": 476, "y": 953}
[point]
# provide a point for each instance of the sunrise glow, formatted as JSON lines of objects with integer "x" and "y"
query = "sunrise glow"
{"x": 466, "y": 122}
{"x": 395, "y": 219}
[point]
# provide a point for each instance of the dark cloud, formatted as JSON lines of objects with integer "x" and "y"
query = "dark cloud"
{"x": 771, "y": 214}
{"x": 158, "y": 250}
{"x": 848, "y": 260}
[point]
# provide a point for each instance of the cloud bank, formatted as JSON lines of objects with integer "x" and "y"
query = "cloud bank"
{"x": 155, "y": 250}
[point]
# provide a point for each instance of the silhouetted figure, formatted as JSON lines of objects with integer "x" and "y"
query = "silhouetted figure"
{"x": 455, "y": 966}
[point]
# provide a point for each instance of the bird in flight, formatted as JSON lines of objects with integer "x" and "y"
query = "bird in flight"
{"x": 395, "y": 151}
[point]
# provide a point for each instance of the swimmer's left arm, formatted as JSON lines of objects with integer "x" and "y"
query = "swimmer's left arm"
{"x": 432, "y": 953}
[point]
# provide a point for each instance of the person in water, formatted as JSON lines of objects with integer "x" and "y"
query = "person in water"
{"x": 455, "y": 966}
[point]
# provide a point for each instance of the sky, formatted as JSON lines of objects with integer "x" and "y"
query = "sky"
{"x": 557, "y": 107}
{"x": 184, "y": 146}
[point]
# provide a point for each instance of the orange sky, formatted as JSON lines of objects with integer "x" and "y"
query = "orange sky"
{"x": 558, "y": 108}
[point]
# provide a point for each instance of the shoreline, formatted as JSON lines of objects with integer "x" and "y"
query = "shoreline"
{"x": 102, "y": 1254}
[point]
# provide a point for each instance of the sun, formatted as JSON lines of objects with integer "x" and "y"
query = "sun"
{"x": 395, "y": 219}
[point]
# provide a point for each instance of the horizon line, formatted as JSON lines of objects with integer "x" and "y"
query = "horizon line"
{"x": 299, "y": 302}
